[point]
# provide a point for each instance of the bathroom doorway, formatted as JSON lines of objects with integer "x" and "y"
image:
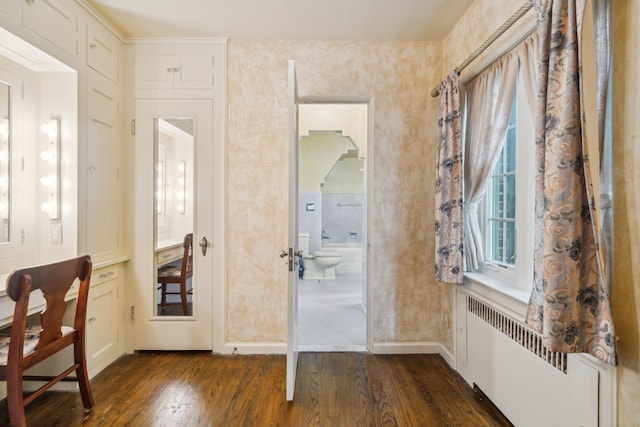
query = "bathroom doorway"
{"x": 333, "y": 174}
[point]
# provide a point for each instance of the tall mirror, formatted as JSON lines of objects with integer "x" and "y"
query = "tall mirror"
{"x": 173, "y": 189}
{"x": 5, "y": 157}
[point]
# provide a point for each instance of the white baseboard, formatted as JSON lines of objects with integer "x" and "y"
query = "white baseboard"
{"x": 255, "y": 348}
{"x": 413, "y": 348}
{"x": 378, "y": 348}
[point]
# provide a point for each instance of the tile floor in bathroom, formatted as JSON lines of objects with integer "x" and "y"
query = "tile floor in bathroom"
{"x": 331, "y": 317}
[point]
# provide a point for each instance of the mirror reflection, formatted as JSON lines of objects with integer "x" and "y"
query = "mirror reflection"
{"x": 5, "y": 156}
{"x": 173, "y": 190}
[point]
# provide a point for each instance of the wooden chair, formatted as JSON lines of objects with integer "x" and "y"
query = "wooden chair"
{"x": 28, "y": 345}
{"x": 170, "y": 275}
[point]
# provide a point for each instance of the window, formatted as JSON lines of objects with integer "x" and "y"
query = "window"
{"x": 501, "y": 201}
{"x": 508, "y": 207}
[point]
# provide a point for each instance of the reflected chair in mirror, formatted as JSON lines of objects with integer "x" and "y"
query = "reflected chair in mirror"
{"x": 174, "y": 280}
{"x": 29, "y": 344}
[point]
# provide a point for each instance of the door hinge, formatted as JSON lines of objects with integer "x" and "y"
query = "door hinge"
{"x": 133, "y": 312}
{"x": 133, "y": 126}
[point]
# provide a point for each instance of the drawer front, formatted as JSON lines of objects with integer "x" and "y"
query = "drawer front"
{"x": 169, "y": 255}
{"x": 105, "y": 274}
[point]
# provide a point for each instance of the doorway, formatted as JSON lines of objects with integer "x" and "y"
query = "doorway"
{"x": 332, "y": 225}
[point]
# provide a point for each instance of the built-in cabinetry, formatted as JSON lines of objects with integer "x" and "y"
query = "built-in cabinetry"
{"x": 54, "y": 20}
{"x": 104, "y": 159}
{"x": 161, "y": 67}
{"x": 103, "y": 322}
{"x": 73, "y": 33}
{"x": 179, "y": 100}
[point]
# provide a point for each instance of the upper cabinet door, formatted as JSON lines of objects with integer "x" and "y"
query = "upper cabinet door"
{"x": 193, "y": 72}
{"x": 174, "y": 71}
{"x": 102, "y": 51}
{"x": 154, "y": 71}
{"x": 54, "y": 20}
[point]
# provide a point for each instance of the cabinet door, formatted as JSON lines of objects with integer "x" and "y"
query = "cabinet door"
{"x": 154, "y": 71}
{"x": 193, "y": 72}
{"x": 54, "y": 20}
{"x": 102, "y": 318}
{"x": 102, "y": 51}
{"x": 102, "y": 175}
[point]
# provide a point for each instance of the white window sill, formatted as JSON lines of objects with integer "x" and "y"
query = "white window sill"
{"x": 499, "y": 293}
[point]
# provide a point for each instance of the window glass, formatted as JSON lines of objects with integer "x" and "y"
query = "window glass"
{"x": 502, "y": 200}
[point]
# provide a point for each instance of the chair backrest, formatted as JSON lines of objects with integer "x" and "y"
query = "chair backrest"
{"x": 187, "y": 258}
{"x": 54, "y": 280}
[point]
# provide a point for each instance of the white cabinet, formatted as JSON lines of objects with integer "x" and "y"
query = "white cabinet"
{"x": 103, "y": 321}
{"x": 102, "y": 51}
{"x": 102, "y": 182}
{"x": 174, "y": 71}
{"x": 54, "y": 20}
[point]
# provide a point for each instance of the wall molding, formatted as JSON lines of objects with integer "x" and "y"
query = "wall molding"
{"x": 415, "y": 347}
{"x": 255, "y": 348}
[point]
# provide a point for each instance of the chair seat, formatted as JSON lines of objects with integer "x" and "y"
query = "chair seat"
{"x": 169, "y": 271}
{"x": 31, "y": 336}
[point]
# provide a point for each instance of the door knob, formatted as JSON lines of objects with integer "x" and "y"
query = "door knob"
{"x": 203, "y": 244}
{"x": 283, "y": 253}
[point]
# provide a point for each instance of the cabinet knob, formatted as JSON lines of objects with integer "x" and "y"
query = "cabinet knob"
{"x": 93, "y": 45}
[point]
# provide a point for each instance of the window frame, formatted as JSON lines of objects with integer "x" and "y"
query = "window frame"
{"x": 519, "y": 275}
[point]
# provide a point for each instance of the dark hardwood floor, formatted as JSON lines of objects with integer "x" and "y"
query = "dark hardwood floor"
{"x": 332, "y": 389}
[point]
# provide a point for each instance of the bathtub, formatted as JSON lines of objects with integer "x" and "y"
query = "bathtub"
{"x": 351, "y": 263}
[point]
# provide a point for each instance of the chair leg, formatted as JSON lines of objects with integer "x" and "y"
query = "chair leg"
{"x": 82, "y": 374}
{"x": 163, "y": 298}
{"x": 183, "y": 298}
{"x": 15, "y": 399}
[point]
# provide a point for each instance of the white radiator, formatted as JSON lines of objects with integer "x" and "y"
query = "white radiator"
{"x": 530, "y": 385}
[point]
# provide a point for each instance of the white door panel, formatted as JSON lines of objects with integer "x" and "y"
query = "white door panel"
{"x": 174, "y": 332}
{"x": 292, "y": 338}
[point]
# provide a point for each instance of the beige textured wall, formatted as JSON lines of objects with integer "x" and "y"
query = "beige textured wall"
{"x": 481, "y": 20}
{"x": 625, "y": 283}
{"x": 408, "y": 305}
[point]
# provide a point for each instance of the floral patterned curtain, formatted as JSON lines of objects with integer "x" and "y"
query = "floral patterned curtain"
{"x": 570, "y": 299}
{"x": 448, "y": 200}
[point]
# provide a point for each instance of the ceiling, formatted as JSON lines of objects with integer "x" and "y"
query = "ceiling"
{"x": 381, "y": 20}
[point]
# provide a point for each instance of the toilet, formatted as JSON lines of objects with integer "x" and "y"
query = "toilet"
{"x": 321, "y": 265}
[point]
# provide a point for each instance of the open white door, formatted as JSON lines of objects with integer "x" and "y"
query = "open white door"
{"x": 292, "y": 253}
{"x": 174, "y": 197}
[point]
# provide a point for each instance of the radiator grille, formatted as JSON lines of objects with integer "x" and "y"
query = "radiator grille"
{"x": 518, "y": 332}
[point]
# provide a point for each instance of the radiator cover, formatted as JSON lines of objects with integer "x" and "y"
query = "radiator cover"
{"x": 529, "y": 384}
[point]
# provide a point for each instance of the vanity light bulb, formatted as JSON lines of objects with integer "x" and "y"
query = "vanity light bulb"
{"x": 47, "y": 181}
{"x": 3, "y": 129}
{"x": 180, "y": 181}
{"x": 46, "y": 155}
{"x": 180, "y": 195}
{"x": 181, "y": 167}
{"x": 48, "y": 129}
{"x": 3, "y": 155}
{"x": 46, "y": 207}
{"x": 180, "y": 208}
{"x": 3, "y": 181}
